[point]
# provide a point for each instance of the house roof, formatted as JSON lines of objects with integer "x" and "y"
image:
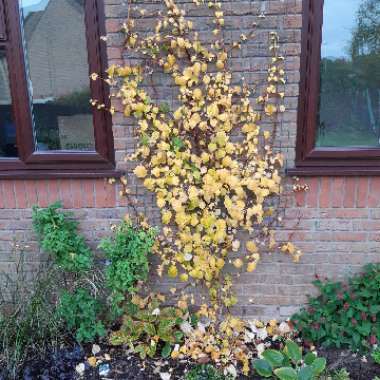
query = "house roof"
{"x": 33, "y": 18}
{"x": 31, "y": 22}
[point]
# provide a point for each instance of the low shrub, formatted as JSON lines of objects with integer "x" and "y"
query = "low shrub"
{"x": 76, "y": 306}
{"x": 344, "y": 314}
{"x": 205, "y": 372}
{"x": 289, "y": 364}
{"x": 58, "y": 235}
{"x": 127, "y": 252}
{"x": 81, "y": 312}
{"x": 148, "y": 327}
{"x": 68, "y": 295}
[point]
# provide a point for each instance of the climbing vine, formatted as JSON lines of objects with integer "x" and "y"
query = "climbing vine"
{"x": 206, "y": 156}
{"x": 209, "y": 162}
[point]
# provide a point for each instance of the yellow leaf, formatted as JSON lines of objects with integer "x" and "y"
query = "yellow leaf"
{"x": 238, "y": 263}
{"x": 140, "y": 171}
{"x": 197, "y": 94}
{"x": 220, "y": 64}
{"x": 166, "y": 217}
{"x": 270, "y": 109}
{"x": 251, "y": 246}
{"x": 172, "y": 271}
{"x": 219, "y": 263}
{"x": 235, "y": 245}
{"x": 251, "y": 266}
{"x": 92, "y": 361}
{"x": 161, "y": 202}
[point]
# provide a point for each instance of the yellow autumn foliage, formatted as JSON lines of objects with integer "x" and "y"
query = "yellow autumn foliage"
{"x": 210, "y": 186}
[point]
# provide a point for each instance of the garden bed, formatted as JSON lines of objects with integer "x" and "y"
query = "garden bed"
{"x": 126, "y": 366}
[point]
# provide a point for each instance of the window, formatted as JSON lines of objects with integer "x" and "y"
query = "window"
{"x": 339, "y": 104}
{"x": 48, "y": 49}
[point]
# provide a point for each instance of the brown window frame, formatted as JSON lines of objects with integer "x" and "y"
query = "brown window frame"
{"x": 53, "y": 164}
{"x": 311, "y": 160}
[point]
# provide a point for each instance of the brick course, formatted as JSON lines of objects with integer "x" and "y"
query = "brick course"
{"x": 335, "y": 223}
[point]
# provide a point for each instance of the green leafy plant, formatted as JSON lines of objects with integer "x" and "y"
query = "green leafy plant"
{"x": 81, "y": 310}
{"x": 58, "y": 235}
{"x": 289, "y": 364}
{"x": 205, "y": 372}
{"x": 148, "y": 327}
{"x": 344, "y": 315}
{"x": 127, "y": 252}
{"x": 338, "y": 374}
{"x": 376, "y": 355}
{"x": 341, "y": 374}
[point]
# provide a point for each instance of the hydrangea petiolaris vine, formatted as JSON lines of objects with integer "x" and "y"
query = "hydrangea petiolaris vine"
{"x": 209, "y": 162}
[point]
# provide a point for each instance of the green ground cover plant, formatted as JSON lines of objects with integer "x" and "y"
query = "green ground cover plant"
{"x": 150, "y": 328}
{"x": 344, "y": 315}
{"x": 289, "y": 364}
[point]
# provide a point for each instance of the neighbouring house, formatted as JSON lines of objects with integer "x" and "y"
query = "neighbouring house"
{"x": 54, "y": 146}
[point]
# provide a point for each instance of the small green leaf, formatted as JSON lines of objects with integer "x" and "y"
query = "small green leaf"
{"x": 293, "y": 351}
{"x": 262, "y": 367}
{"x": 141, "y": 350}
{"x": 309, "y": 358}
{"x": 150, "y": 329}
{"x": 177, "y": 143}
{"x": 286, "y": 373}
{"x": 166, "y": 351}
{"x": 318, "y": 365}
{"x": 375, "y": 309}
{"x": 178, "y": 336}
{"x": 306, "y": 373}
{"x": 144, "y": 139}
{"x": 164, "y": 108}
{"x": 275, "y": 358}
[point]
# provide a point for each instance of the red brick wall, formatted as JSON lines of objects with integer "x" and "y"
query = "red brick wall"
{"x": 335, "y": 223}
{"x": 74, "y": 193}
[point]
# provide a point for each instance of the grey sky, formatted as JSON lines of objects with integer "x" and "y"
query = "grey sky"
{"x": 33, "y": 5}
{"x": 339, "y": 22}
{"x": 27, "y": 3}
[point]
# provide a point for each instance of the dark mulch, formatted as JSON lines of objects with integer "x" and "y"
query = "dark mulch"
{"x": 131, "y": 367}
{"x": 359, "y": 368}
{"x": 124, "y": 366}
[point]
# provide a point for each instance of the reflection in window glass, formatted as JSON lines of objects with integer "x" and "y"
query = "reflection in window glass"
{"x": 350, "y": 74}
{"x": 57, "y": 64}
{"x": 7, "y": 127}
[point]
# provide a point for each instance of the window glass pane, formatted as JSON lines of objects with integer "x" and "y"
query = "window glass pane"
{"x": 7, "y": 127}
{"x": 57, "y": 64}
{"x": 350, "y": 74}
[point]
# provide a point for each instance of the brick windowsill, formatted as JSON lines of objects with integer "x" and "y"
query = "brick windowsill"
{"x": 316, "y": 171}
{"x": 52, "y": 174}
